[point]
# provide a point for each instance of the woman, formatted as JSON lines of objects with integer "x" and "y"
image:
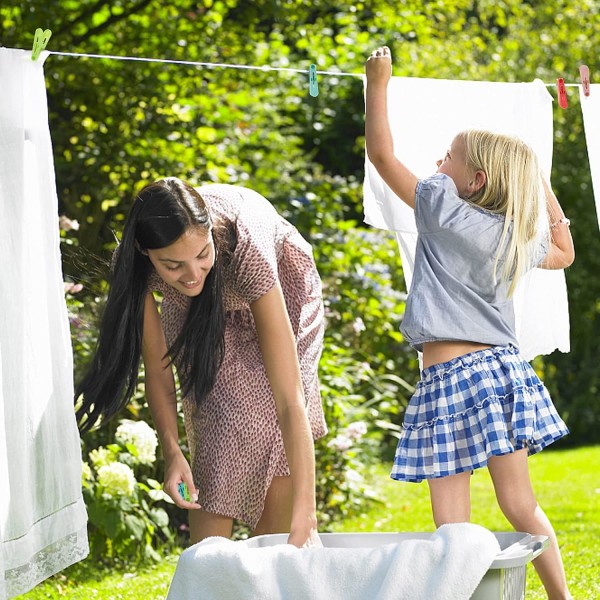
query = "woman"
{"x": 241, "y": 319}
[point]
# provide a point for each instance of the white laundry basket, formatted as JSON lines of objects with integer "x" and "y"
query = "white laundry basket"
{"x": 504, "y": 580}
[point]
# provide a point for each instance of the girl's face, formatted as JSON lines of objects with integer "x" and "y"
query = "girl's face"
{"x": 185, "y": 264}
{"x": 454, "y": 165}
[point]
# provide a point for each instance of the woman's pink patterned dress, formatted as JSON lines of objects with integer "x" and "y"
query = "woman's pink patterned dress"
{"x": 234, "y": 437}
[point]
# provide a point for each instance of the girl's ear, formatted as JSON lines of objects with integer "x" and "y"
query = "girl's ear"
{"x": 479, "y": 180}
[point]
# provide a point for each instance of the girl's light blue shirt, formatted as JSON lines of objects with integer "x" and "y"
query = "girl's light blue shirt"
{"x": 453, "y": 294}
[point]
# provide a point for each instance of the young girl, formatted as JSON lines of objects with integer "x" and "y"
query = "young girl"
{"x": 242, "y": 321}
{"x": 478, "y": 402}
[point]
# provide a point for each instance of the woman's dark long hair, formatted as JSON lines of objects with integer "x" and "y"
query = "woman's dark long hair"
{"x": 160, "y": 215}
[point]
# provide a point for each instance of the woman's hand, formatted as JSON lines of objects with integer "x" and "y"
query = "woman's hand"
{"x": 379, "y": 66}
{"x": 177, "y": 470}
{"x": 303, "y": 533}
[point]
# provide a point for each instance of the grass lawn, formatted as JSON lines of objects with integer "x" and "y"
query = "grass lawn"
{"x": 567, "y": 484}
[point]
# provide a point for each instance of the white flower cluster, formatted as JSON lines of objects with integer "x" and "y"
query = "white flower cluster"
{"x": 101, "y": 456}
{"x": 117, "y": 479}
{"x": 141, "y": 436}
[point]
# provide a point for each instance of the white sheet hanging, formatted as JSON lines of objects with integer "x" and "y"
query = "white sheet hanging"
{"x": 43, "y": 520}
{"x": 425, "y": 115}
{"x": 590, "y": 107}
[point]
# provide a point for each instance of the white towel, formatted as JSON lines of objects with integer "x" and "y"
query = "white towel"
{"x": 590, "y": 106}
{"x": 449, "y": 564}
{"x": 425, "y": 115}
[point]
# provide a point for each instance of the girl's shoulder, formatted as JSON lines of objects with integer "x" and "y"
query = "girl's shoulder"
{"x": 438, "y": 193}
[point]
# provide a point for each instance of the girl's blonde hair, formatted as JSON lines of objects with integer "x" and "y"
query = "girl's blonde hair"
{"x": 514, "y": 189}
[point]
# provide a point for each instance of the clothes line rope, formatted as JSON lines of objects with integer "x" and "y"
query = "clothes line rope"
{"x": 190, "y": 63}
{"x": 265, "y": 68}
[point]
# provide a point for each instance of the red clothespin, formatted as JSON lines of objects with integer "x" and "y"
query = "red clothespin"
{"x": 584, "y": 72}
{"x": 562, "y": 93}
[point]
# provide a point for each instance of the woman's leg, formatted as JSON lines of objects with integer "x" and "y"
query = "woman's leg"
{"x": 204, "y": 524}
{"x": 451, "y": 498}
{"x": 510, "y": 474}
{"x": 277, "y": 513}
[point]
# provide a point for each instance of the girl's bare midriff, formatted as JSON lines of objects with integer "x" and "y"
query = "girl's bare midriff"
{"x": 439, "y": 352}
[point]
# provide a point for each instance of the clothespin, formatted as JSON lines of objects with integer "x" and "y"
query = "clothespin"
{"x": 584, "y": 72}
{"x": 562, "y": 93}
{"x": 313, "y": 84}
{"x": 40, "y": 40}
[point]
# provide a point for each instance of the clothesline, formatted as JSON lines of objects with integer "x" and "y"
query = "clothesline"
{"x": 265, "y": 68}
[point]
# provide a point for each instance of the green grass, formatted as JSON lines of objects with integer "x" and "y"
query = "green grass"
{"x": 567, "y": 485}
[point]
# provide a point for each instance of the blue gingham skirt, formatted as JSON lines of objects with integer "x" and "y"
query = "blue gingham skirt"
{"x": 463, "y": 411}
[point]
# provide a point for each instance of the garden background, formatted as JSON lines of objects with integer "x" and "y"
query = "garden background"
{"x": 117, "y": 125}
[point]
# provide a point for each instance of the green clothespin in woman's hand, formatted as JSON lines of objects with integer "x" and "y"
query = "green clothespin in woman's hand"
{"x": 40, "y": 40}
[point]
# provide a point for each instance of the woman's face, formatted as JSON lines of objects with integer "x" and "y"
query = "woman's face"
{"x": 185, "y": 264}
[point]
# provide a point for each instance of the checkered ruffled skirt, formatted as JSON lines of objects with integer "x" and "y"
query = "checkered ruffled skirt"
{"x": 463, "y": 411}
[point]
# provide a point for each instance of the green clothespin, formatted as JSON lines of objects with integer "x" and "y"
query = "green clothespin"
{"x": 40, "y": 40}
{"x": 313, "y": 85}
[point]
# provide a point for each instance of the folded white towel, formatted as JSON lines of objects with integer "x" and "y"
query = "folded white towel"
{"x": 449, "y": 564}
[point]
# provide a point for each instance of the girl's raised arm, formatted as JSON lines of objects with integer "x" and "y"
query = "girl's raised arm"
{"x": 378, "y": 137}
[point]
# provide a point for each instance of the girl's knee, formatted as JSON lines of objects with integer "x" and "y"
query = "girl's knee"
{"x": 518, "y": 509}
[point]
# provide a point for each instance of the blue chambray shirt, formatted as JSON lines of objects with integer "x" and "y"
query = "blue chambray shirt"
{"x": 453, "y": 295}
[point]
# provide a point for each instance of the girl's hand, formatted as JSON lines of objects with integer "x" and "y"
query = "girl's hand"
{"x": 379, "y": 66}
{"x": 177, "y": 470}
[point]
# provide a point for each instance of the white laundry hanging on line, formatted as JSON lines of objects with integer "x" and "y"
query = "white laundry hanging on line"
{"x": 43, "y": 519}
{"x": 590, "y": 107}
{"x": 425, "y": 115}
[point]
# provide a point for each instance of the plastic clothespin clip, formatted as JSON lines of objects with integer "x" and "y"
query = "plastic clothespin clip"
{"x": 584, "y": 72}
{"x": 313, "y": 84}
{"x": 183, "y": 491}
{"x": 40, "y": 40}
{"x": 562, "y": 93}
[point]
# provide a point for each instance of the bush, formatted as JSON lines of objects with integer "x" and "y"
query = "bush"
{"x": 126, "y": 520}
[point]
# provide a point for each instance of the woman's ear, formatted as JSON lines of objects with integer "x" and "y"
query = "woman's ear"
{"x": 140, "y": 249}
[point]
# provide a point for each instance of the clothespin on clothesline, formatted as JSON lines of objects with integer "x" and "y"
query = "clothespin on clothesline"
{"x": 562, "y": 93}
{"x": 313, "y": 85}
{"x": 40, "y": 41}
{"x": 584, "y": 73}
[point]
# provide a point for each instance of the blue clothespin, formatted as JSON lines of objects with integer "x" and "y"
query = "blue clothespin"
{"x": 313, "y": 85}
{"x": 40, "y": 40}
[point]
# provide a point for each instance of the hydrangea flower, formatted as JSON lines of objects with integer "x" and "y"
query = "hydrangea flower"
{"x": 141, "y": 436}
{"x": 86, "y": 472}
{"x": 117, "y": 479}
{"x": 101, "y": 456}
